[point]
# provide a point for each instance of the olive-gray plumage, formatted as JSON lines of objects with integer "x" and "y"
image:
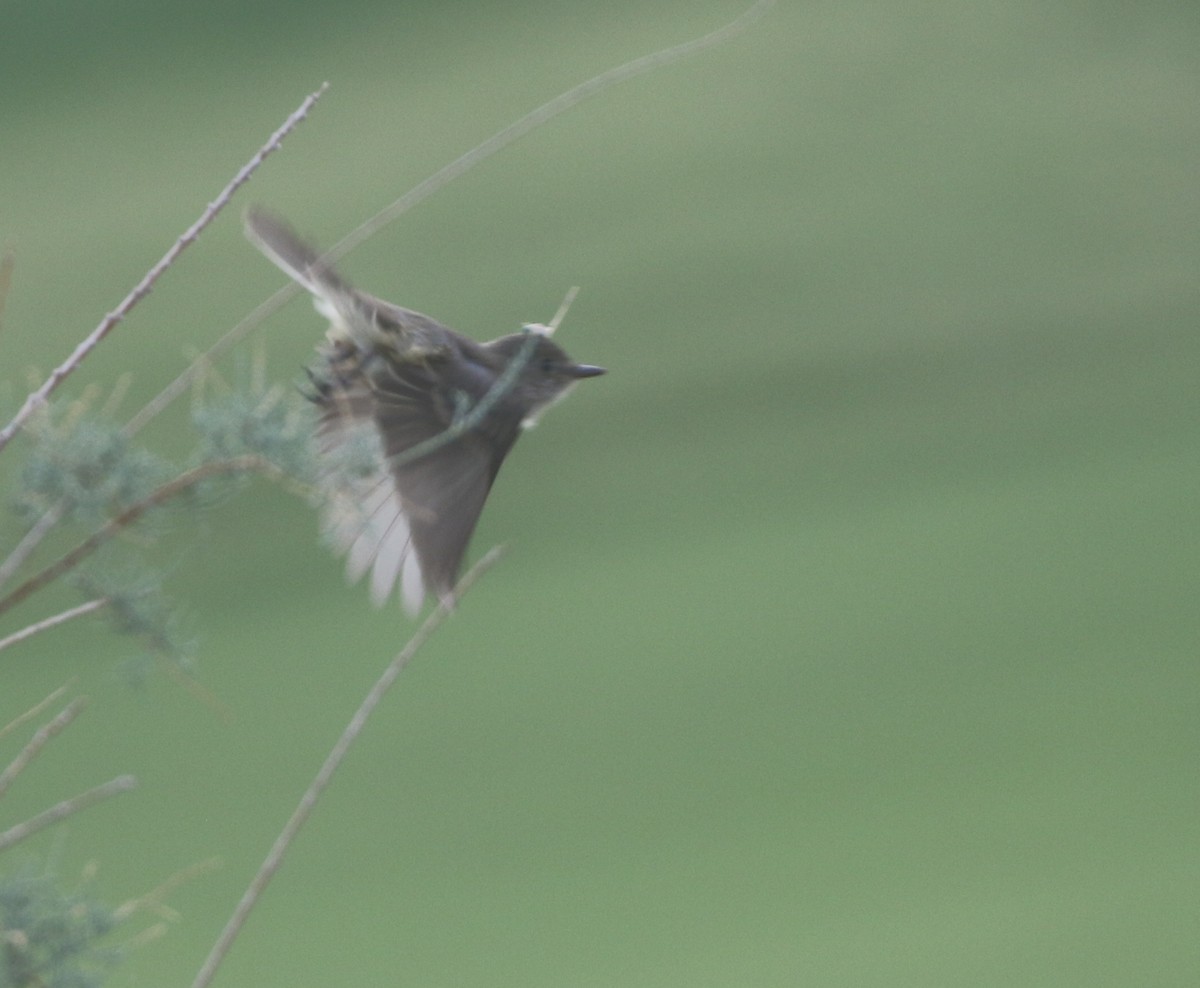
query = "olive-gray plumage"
{"x": 408, "y": 452}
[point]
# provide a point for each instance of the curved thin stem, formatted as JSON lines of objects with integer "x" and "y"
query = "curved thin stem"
{"x": 60, "y": 811}
{"x": 498, "y": 141}
{"x": 333, "y": 760}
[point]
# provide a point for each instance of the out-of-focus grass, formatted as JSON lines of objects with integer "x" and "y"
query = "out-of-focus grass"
{"x": 848, "y": 635}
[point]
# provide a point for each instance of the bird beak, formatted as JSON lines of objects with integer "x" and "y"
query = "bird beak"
{"x": 586, "y": 370}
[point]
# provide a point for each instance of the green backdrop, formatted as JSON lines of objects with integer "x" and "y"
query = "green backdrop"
{"x": 849, "y": 632}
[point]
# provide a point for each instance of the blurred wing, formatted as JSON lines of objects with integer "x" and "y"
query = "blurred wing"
{"x": 393, "y": 379}
{"x": 364, "y": 516}
{"x": 406, "y": 519}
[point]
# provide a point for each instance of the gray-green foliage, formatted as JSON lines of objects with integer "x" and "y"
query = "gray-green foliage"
{"x": 84, "y": 466}
{"x": 52, "y": 937}
{"x": 95, "y": 483}
{"x": 269, "y": 422}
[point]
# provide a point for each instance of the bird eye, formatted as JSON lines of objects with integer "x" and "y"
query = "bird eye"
{"x": 547, "y": 366}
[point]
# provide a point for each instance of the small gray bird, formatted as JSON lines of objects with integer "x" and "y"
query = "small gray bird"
{"x": 415, "y": 420}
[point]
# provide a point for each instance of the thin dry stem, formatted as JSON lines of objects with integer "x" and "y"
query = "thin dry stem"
{"x": 536, "y": 118}
{"x": 153, "y": 900}
{"x": 194, "y": 688}
{"x": 565, "y": 307}
{"x": 197, "y": 367}
{"x": 40, "y": 739}
{"x": 498, "y": 141}
{"x": 31, "y": 540}
{"x": 39, "y": 397}
{"x": 336, "y": 756}
{"x": 151, "y": 933}
{"x": 60, "y": 811}
{"x": 53, "y": 622}
{"x": 114, "y": 526}
{"x": 36, "y": 709}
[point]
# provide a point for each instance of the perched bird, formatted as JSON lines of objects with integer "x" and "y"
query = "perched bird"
{"x": 415, "y": 420}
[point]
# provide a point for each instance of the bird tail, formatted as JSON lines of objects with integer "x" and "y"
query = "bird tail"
{"x": 333, "y": 297}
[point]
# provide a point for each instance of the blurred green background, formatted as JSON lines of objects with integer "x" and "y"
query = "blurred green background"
{"x": 849, "y": 631}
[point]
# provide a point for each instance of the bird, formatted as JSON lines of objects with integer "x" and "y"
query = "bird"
{"x": 414, "y": 421}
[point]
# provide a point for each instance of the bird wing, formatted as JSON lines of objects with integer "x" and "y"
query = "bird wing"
{"x": 393, "y": 380}
{"x": 405, "y": 494}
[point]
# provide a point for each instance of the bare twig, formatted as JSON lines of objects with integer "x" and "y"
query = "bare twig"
{"x": 153, "y": 900}
{"x": 498, "y": 141}
{"x": 194, "y": 688}
{"x": 127, "y": 517}
{"x": 60, "y": 811}
{"x": 151, "y": 933}
{"x": 39, "y": 740}
{"x": 53, "y": 621}
{"x": 38, "y": 398}
{"x": 563, "y": 309}
{"x": 240, "y": 331}
{"x": 336, "y": 755}
{"x": 36, "y": 709}
{"x": 536, "y": 118}
{"x": 31, "y": 540}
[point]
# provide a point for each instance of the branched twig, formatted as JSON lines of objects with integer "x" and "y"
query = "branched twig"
{"x": 60, "y": 811}
{"x": 39, "y": 740}
{"x": 53, "y": 621}
{"x": 36, "y": 709}
{"x": 38, "y": 398}
{"x": 336, "y": 755}
{"x": 498, "y": 141}
{"x": 127, "y": 517}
